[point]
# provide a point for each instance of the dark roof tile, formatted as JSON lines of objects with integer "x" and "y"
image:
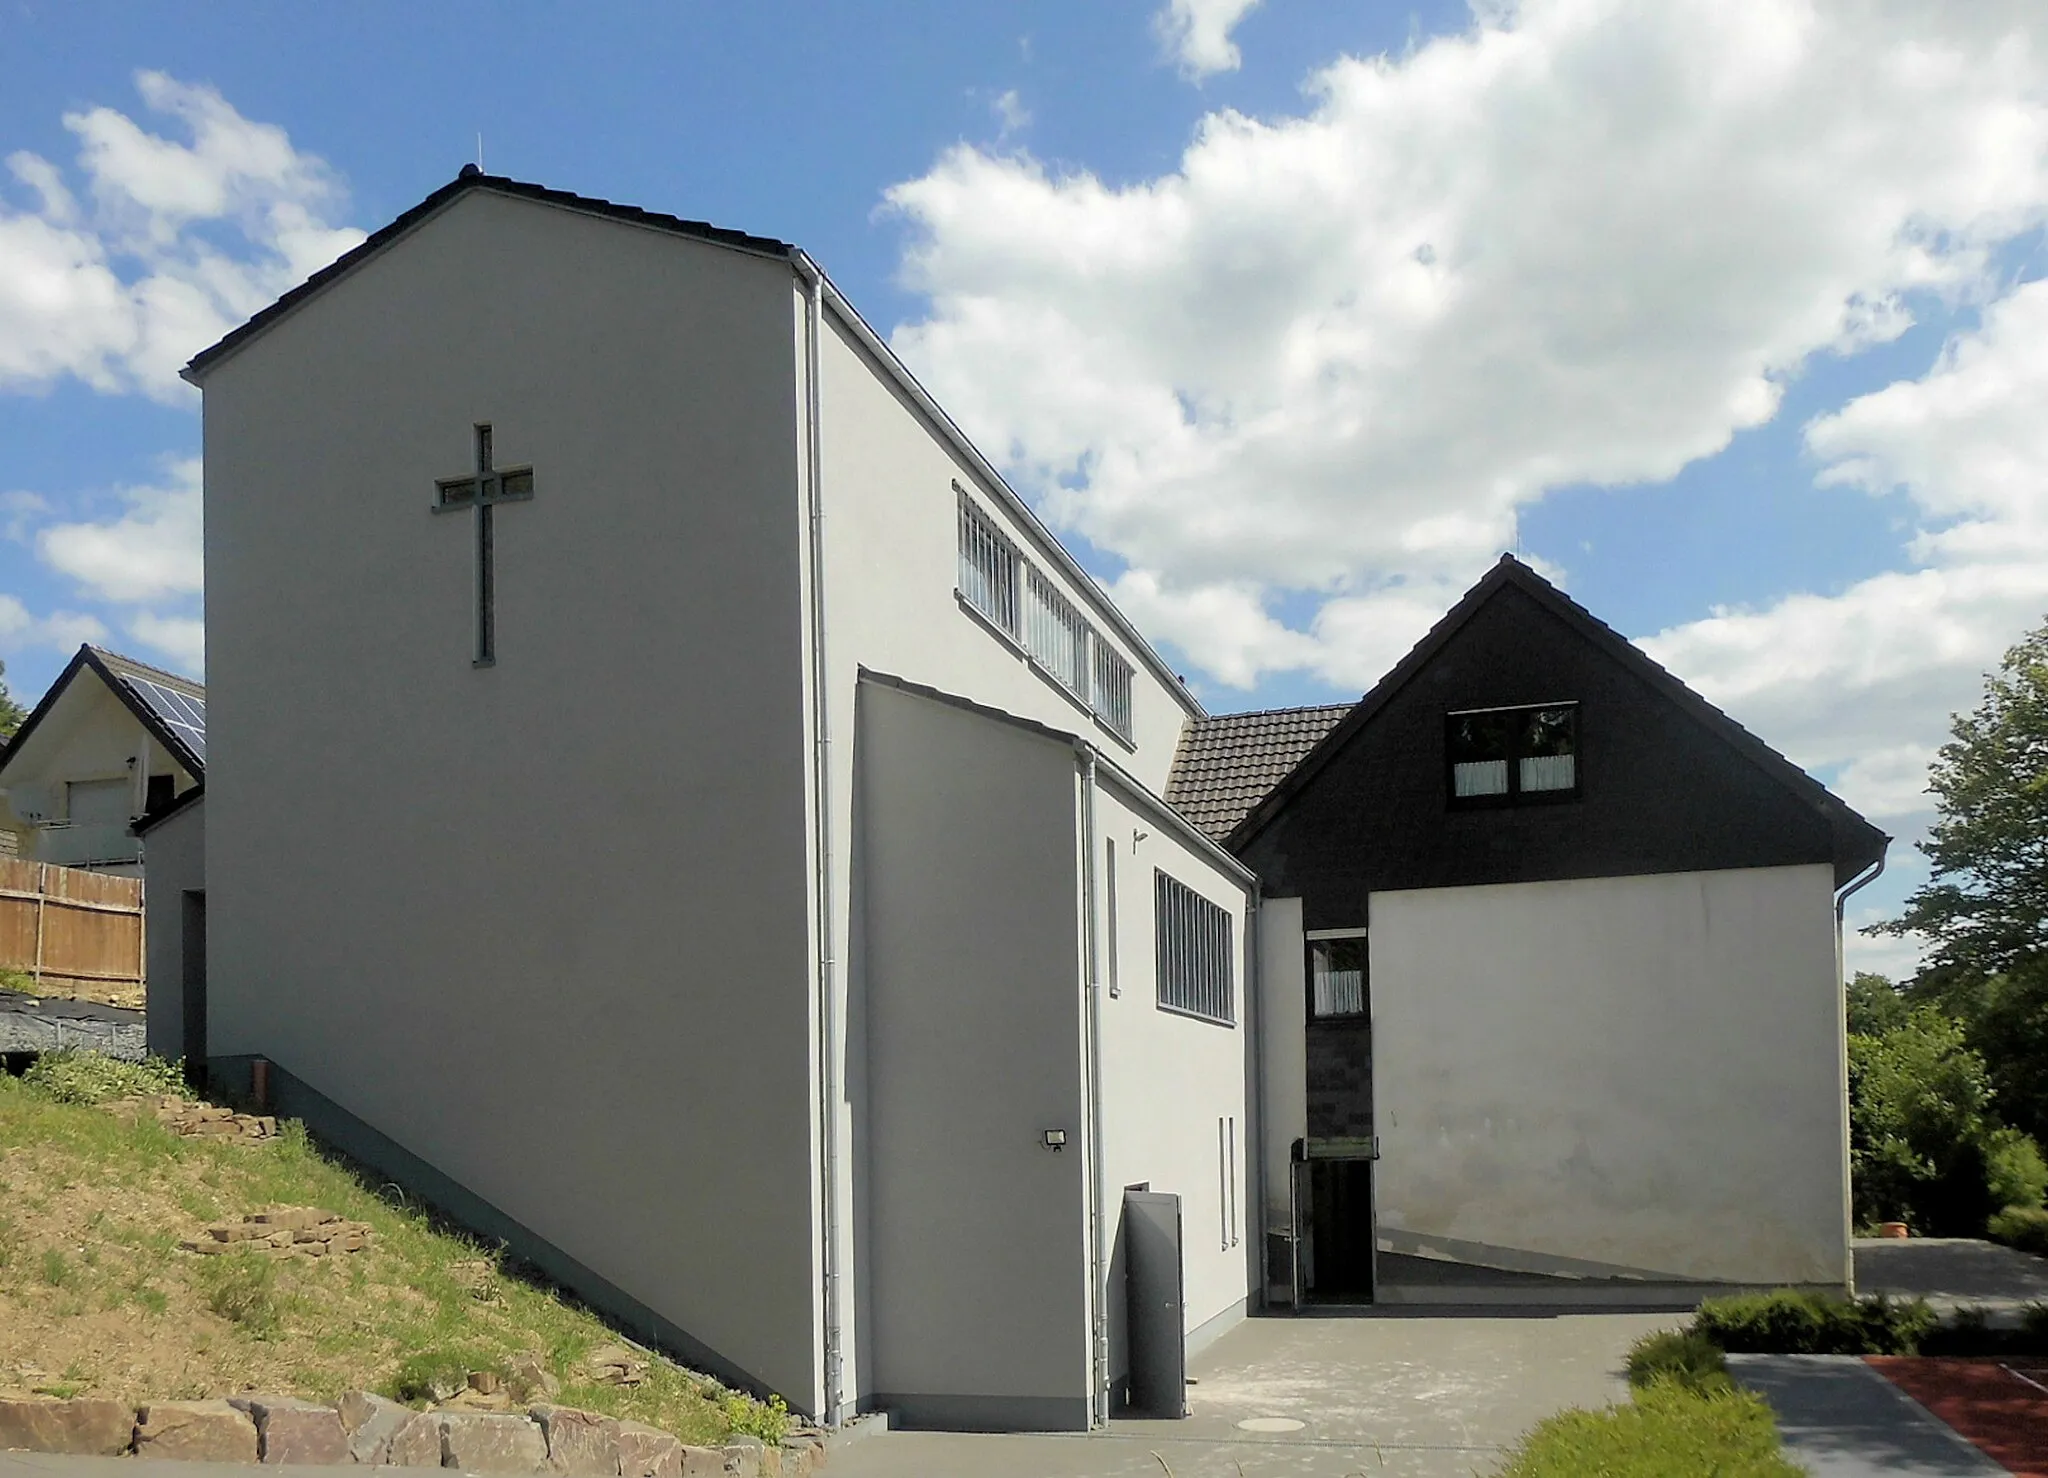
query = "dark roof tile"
{"x": 1228, "y": 762}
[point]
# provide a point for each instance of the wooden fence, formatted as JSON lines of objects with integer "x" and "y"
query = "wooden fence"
{"x": 72, "y": 932}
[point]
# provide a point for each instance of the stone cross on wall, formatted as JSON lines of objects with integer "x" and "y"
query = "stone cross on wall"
{"x": 483, "y": 490}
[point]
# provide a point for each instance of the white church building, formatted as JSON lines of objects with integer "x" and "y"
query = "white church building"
{"x": 671, "y": 804}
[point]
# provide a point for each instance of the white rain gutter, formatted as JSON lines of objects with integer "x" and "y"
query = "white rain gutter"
{"x": 821, "y": 782}
{"x": 1856, "y": 884}
{"x": 1098, "y": 1251}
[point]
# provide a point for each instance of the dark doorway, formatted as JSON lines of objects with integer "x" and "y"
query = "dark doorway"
{"x": 1154, "y": 1307}
{"x": 192, "y": 985}
{"x": 1337, "y": 1261}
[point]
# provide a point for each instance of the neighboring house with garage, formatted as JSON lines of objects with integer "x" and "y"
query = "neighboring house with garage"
{"x": 111, "y": 741}
{"x": 1550, "y": 964}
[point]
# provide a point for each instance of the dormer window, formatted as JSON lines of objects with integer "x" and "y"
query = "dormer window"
{"x": 1501, "y": 756}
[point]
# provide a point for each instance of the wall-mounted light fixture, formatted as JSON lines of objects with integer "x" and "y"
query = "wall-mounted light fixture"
{"x": 1055, "y": 1140}
{"x": 1138, "y": 835}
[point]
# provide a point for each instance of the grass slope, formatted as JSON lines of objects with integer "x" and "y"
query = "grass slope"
{"x": 97, "y": 1299}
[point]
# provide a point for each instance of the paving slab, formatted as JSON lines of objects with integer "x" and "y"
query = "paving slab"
{"x": 1842, "y": 1419}
{"x": 1408, "y": 1397}
{"x": 1951, "y": 1272}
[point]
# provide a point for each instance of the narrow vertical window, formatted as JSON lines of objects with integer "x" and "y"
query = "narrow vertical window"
{"x": 1109, "y": 892}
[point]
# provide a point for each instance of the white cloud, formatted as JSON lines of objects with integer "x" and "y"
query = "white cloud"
{"x": 1010, "y": 113}
{"x": 63, "y": 630}
{"x": 1584, "y": 241}
{"x": 148, "y": 553}
{"x": 1867, "y": 678}
{"x": 1196, "y": 34}
{"x": 179, "y": 639}
{"x": 120, "y": 293}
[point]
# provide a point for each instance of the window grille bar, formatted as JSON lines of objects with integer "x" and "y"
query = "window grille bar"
{"x": 1057, "y": 635}
{"x": 1111, "y": 694}
{"x": 988, "y": 568}
{"x": 1193, "y": 936}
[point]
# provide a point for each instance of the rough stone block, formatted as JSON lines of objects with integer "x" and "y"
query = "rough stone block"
{"x": 417, "y": 1444}
{"x": 706, "y": 1462}
{"x": 645, "y": 1452}
{"x": 289, "y": 1430}
{"x": 89, "y": 1427}
{"x": 197, "y": 1431}
{"x": 579, "y": 1442}
{"x": 289, "y": 1217}
{"x": 749, "y": 1457}
{"x": 492, "y": 1442}
{"x": 369, "y": 1422}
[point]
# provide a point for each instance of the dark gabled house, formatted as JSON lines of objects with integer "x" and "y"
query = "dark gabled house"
{"x": 1567, "y": 1000}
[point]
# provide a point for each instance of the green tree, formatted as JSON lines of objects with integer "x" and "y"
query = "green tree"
{"x": 11, "y": 713}
{"x": 1875, "y": 1005}
{"x": 1919, "y": 1126}
{"x": 1985, "y": 907}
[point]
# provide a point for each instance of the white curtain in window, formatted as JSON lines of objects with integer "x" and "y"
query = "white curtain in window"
{"x": 1340, "y": 986}
{"x": 1546, "y": 772}
{"x": 1484, "y": 777}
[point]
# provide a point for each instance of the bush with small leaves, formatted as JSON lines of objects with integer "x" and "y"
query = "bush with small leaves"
{"x": 1792, "y": 1322}
{"x": 91, "y": 1078}
{"x": 2021, "y": 1227}
{"x": 1682, "y": 1355}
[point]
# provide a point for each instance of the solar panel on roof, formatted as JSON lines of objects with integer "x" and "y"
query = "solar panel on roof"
{"x": 184, "y": 714}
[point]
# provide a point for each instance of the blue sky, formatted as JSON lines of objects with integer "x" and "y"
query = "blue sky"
{"x": 1291, "y": 314}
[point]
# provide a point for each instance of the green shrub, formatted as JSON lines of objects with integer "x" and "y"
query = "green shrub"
{"x": 91, "y": 1078}
{"x": 1684, "y": 1356}
{"x": 2016, "y": 1173}
{"x": 241, "y": 1287}
{"x": 1667, "y": 1432}
{"x": 768, "y": 1420}
{"x": 2023, "y": 1227}
{"x": 1791, "y": 1322}
{"x": 435, "y": 1375}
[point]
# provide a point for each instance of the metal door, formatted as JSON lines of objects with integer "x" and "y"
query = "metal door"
{"x": 1155, "y": 1304}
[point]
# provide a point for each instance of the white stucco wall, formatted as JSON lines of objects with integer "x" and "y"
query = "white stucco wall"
{"x": 1283, "y": 1049}
{"x": 967, "y": 1038}
{"x": 1168, "y": 1078}
{"x": 892, "y": 533}
{"x": 173, "y": 864}
{"x": 1642, "y": 1072}
{"x": 544, "y": 923}
{"x": 891, "y": 529}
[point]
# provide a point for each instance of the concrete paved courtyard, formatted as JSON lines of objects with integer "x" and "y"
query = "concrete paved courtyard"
{"x": 1410, "y": 1397}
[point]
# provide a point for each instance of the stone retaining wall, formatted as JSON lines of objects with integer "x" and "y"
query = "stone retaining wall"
{"x": 366, "y": 1428}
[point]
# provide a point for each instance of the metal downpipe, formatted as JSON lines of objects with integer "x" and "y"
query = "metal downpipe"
{"x": 1098, "y": 1257}
{"x": 827, "y": 966}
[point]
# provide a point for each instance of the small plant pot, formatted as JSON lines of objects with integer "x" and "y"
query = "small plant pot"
{"x": 1895, "y": 1229}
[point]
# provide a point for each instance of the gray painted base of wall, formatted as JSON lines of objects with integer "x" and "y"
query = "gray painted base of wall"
{"x": 1513, "y": 1259}
{"x": 933, "y": 1413}
{"x": 335, "y": 1127}
{"x": 1566, "y": 1293}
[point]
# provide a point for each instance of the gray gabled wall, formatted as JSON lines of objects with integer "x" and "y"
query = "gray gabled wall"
{"x": 542, "y": 925}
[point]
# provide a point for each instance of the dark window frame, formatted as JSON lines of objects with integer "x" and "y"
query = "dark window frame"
{"x": 1514, "y": 795}
{"x": 1362, "y": 938}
